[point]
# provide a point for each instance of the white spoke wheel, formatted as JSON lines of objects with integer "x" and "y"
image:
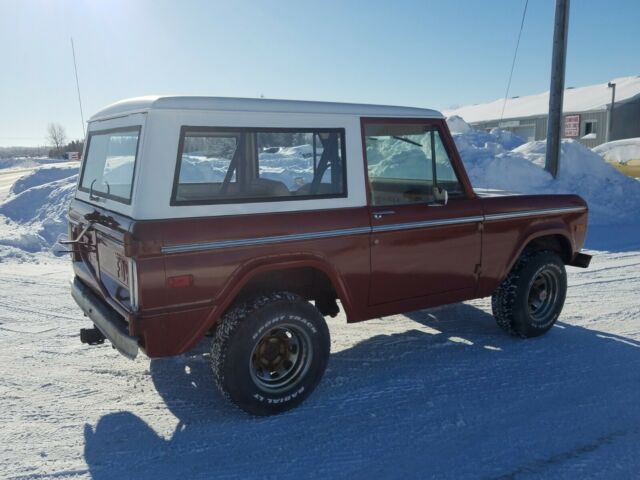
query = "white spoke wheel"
{"x": 530, "y": 299}
{"x": 269, "y": 353}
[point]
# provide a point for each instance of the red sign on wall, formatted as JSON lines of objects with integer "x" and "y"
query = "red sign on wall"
{"x": 572, "y": 126}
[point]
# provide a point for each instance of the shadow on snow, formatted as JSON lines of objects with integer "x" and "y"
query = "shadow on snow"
{"x": 467, "y": 401}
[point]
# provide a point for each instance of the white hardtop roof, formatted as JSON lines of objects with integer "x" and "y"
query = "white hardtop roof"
{"x": 144, "y": 104}
{"x": 576, "y": 100}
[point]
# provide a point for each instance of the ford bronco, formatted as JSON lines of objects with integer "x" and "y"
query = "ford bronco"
{"x": 250, "y": 220}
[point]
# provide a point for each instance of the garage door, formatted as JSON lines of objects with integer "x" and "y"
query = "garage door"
{"x": 526, "y": 132}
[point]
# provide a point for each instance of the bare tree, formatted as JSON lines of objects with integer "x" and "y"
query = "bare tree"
{"x": 56, "y": 136}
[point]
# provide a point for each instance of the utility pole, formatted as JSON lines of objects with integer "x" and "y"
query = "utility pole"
{"x": 556, "y": 91}
{"x": 612, "y": 86}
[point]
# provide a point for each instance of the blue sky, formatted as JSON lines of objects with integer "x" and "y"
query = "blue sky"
{"x": 428, "y": 53}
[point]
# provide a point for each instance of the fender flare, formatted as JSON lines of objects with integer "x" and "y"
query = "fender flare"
{"x": 546, "y": 229}
{"x": 256, "y": 266}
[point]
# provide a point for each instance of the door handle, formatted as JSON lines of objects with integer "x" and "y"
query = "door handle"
{"x": 379, "y": 215}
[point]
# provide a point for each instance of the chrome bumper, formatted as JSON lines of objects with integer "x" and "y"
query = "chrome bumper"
{"x": 105, "y": 319}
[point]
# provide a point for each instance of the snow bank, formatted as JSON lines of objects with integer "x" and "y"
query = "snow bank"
{"x": 44, "y": 175}
{"x": 620, "y": 151}
{"x": 35, "y": 215}
{"x": 28, "y": 162}
{"x": 17, "y": 163}
{"x": 492, "y": 163}
{"x": 458, "y": 125}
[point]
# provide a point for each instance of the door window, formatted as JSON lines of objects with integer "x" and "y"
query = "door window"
{"x": 405, "y": 162}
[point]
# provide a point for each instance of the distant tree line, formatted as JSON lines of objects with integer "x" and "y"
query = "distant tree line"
{"x": 57, "y": 138}
{"x": 12, "y": 152}
{"x": 57, "y": 145}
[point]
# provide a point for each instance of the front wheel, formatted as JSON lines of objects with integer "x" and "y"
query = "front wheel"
{"x": 269, "y": 353}
{"x": 530, "y": 299}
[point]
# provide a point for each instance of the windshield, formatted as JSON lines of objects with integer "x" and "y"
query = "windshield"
{"x": 110, "y": 162}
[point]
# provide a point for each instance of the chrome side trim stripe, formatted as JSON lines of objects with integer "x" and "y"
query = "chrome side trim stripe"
{"x": 426, "y": 224}
{"x": 529, "y": 213}
{"x": 195, "y": 247}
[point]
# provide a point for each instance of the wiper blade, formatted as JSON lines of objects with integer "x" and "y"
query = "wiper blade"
{"x": 402, "y": 139}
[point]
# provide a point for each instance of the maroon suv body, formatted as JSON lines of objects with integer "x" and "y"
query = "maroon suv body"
{"x": 390, "y": 227}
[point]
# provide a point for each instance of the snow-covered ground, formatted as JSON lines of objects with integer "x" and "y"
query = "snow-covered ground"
{"x": 438, "y": 393}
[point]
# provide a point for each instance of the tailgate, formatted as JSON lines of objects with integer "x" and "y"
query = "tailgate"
{"x": 99, "y": 258}
{"x": 115, "y": 270}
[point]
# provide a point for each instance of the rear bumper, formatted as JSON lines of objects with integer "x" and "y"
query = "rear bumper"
{"x": 105, "y": 319}
{"x": 581, "y": 260}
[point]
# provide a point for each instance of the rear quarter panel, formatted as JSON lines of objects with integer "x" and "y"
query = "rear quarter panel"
{"x": 174, "y": 319}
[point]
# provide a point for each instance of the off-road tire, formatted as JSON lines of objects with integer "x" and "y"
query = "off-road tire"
{"x": 511, "y": 302}
{"x": 240, "y": 333}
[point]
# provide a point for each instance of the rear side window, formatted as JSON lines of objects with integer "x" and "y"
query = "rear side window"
{"x": 229, "y": 165}
{"x": 109, "y": 163}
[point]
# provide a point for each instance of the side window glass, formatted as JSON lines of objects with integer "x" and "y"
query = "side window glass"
{"x": 405, "y": 162}
{"x": 306, "y": 163}
{"x": 228, "y": 165}
{"x": 206, "y": 159}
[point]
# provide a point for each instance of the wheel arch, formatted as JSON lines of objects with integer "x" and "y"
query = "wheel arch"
{"x": 242, "y": 278}
{"x": 252, "y": 276}
{"x": 556, "y": 240}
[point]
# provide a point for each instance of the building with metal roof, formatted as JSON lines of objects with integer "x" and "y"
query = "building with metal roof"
{"x": 588, "y": 113}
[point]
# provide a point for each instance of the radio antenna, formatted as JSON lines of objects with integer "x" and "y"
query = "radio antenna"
{"x": 75, "y": 68}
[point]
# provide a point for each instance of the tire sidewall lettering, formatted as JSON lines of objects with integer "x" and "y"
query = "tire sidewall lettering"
{"x": 275, "y": 400}
{"x": 281, "y": 318}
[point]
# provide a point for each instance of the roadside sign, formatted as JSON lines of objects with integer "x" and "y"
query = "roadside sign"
{"x": 572, "y": 126}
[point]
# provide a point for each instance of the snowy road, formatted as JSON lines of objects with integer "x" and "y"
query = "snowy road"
{"x": 439, "y": 393}
{"x": 8, "y": 177}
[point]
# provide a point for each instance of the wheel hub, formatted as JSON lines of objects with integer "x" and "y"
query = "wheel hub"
{"x": 543, "y": 295}
{"x": 280, "y": 358}
{"x": 272, "y": 351}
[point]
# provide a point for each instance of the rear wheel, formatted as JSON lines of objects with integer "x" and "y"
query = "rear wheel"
{"x": 269, "y": 354}
{"x": 530, "y": 299}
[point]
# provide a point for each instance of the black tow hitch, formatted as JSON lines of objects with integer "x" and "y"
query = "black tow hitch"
{"x": 91, "y": 336}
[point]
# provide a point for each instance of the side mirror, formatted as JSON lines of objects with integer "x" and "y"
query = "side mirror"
{"x": 440, "y": 196}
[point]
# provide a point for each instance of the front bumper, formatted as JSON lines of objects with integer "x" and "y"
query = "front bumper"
{"x": 581, "y": 260}
{"x": 105, "y": 319}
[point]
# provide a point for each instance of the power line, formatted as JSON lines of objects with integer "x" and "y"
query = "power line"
{"x": 73, "y": 51}
{"x": 513, "y": 63}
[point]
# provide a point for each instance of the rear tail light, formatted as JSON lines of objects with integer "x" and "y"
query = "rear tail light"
{"x": 133, "y": 284}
